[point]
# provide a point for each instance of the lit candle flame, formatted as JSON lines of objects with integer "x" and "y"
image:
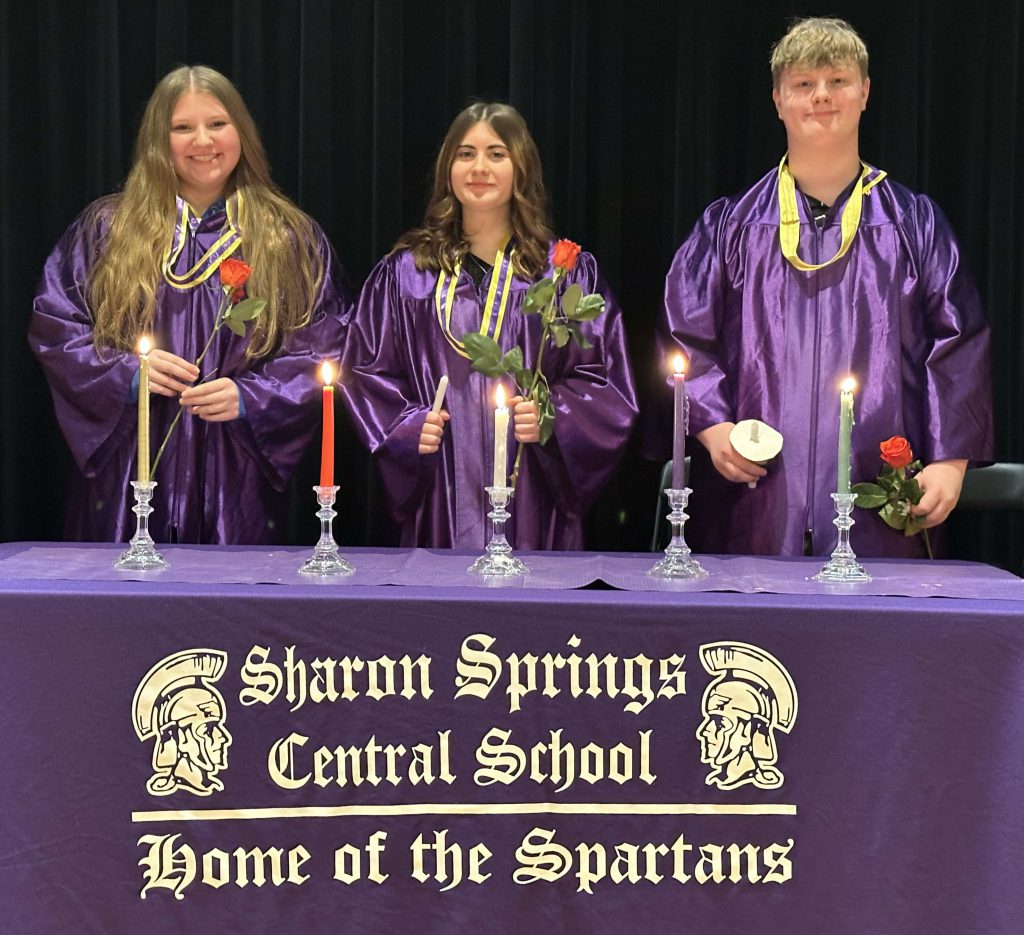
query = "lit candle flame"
{"x": 848, "y": 385}
{"x": 679, "y": 363}
{"x": 145, "y": 344}
{"x": 327, "y": 373}
{"x": 499, "y": 397}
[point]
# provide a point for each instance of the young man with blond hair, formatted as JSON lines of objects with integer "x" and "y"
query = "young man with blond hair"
{"x": 825, "y": 268}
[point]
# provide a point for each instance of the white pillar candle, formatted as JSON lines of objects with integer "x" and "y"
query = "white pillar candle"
{"x": 500, "y": 438}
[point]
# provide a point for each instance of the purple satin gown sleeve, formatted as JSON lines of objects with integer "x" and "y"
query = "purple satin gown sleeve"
{"x": 694, "y": 291}
{"x": 594, "y": 399}
{"x": 90, "y": 390}
{"x": 958, "y": 404}
{"x": 281, "y": 393}
{"x": 387, "y": 409}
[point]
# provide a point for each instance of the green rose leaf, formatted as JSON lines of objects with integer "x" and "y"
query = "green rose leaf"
{"x": 238, "y": 327}
{"x": 484, "y": 354}
{"x": 888, "y": 482}
{"x": 561, "y": 335}
{"x": 513, "y": 360}
{"x": 539, "y": 295}
{"x": 892, "y": 516}
{"x": 912, "y": 491}
{"x": 246, "y": 310}
{"x": 546, "y": 423}
{"x": 869, "y": 496}
{"x": 523, "y": 377}
{"x": 578, "y": 337}
{"x": 571, "y": 299}
{"x": 589, "y": 308}
{"x": 912, "y": 527}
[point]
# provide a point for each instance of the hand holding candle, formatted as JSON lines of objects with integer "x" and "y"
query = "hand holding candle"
{"x": 679, "y": 423}
{"x": 327, "y": 444}
{"x": 846, "y": 389}
{"x": 500, "y": 438}
{"x": 442, "y": 388}
{"x": 756, "y": 441}
{"x": 145, "y": 346}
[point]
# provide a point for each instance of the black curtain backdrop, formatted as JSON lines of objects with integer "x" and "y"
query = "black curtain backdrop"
{"x": 643, "y": 113}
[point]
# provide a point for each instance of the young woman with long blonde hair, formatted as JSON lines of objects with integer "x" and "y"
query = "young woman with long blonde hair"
{"x": 146, "y": 262}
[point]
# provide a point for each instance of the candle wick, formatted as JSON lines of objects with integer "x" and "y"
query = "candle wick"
{"x": 754, "y": 428}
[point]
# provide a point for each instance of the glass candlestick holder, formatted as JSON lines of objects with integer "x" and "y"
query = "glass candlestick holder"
{"x": 677, "y": 562}
{"x": 141, "y": 552}
{"x": 498, "y": 560}
{"x": 843, "y": 565}
{"x": 326, "y": 560}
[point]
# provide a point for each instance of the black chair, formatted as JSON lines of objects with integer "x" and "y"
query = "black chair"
{"x": 988, "y": 522}
{"x": 999, "y": 486}
{"x": 659, "y": 538}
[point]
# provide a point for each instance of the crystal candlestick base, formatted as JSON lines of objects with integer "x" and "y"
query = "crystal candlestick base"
{"x": 677, "y": 563}
{"x": 498, "y": 560}
{"x": 843, "y": 566}
{"x": 326, "y": 560}
{"x": 141, "y": 553}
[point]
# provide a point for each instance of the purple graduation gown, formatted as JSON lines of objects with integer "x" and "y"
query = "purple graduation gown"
{"x": 767, "y": 341}
{"x": 396, "y": 354}
{"x": 218, "y": 482}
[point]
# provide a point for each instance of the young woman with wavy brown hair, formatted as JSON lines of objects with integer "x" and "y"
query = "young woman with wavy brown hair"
{"x": 146, "y": 262}
{"x": 484, "y": 240}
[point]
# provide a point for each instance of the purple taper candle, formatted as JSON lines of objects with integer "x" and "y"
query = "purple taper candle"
{"x": 679, "y": 422}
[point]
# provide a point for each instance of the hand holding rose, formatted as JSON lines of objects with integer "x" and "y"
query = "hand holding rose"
{"x": 170, "y": 374}
{"x": 215, "y": 401}
{"x": 941, "y": 482}
{"x": 527, "y": 419}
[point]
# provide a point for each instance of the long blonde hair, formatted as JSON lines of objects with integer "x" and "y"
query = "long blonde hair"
{"x": 439, "y": 243}
{"x": 279, "y": 241}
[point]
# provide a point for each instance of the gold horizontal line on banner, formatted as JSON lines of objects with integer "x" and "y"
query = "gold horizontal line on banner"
{"x": 435, "y": 808}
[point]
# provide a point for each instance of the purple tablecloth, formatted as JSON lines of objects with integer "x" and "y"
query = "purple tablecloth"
{"x": 548, "y": 570}
{"x": 202, "y": 752}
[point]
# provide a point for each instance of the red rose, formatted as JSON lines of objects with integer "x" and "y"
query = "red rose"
{"x": 896, "y": 452}
{"x": 233, "y": 274}
{"x": 565, "y": 254}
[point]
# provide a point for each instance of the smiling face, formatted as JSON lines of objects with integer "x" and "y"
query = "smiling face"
{"x": 821, "y": 106}
{"x": 205, "y": 148}
{"x": 482, "y": 173}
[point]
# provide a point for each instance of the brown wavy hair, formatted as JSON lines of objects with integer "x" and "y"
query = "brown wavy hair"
{"x": 439, "y": 243}
{"x": 279, "y": 240}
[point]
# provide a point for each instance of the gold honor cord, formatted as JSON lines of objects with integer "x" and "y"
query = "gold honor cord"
{"x": 443, "y": 306}
{"x": 789, "y": 216}
{"x": 209, "y": 262}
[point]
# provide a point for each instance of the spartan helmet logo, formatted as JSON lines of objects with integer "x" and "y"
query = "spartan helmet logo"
{"x": 177, "y": 705}
{"x": 751, "y": 697}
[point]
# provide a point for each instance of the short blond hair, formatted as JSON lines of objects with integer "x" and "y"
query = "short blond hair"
{"x": 818, "y": 42}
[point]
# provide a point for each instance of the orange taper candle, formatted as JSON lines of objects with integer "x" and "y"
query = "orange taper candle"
{"x": 327, "y": 449}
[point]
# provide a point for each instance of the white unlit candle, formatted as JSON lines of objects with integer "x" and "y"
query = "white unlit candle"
{"x": 442, "y": 388}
